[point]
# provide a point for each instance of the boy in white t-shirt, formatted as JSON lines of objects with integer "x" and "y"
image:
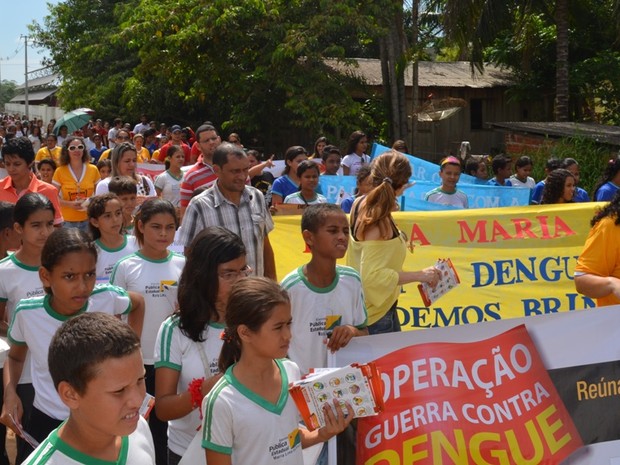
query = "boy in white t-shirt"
{"x": 447, "y": 193}
{"x": 327, "y": 301}
{"x": 96, "y": 366}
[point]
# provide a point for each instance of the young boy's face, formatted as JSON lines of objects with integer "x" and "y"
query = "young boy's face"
{"x": 332, "y": 164}
{"x": 112, "y": 399}
{"x": 128, "y": 202}
{"x": 331, "y": 239}
{"x": 506, "y": 171}
{"x": 449, "y": 175}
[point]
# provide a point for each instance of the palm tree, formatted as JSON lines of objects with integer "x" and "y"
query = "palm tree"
{"x": 561, "y": 71}
{"x": 473, "y": 25}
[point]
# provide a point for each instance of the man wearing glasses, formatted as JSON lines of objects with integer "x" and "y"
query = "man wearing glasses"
{"x": 121, "y": 136}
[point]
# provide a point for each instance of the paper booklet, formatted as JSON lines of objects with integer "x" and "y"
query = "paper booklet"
{"x": 448, "y": 281}
{"x": 358, "y": 384}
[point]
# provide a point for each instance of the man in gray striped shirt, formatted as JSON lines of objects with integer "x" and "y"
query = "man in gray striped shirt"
{"x": 231, "y": 203}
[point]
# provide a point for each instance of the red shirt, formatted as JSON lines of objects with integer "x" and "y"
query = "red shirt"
{"x": 163, "y": 152}
{"x": 9, "y": 194}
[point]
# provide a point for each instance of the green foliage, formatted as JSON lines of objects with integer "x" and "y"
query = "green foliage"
{"x": 256, "y": 65}
{"x": 592, "y": 158}
{"x": 78, "y": 34}
{"x": 598, "y": 79}
{"x": 8, "y": 90}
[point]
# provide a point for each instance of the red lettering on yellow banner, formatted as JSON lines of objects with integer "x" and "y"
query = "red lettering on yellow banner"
{"x": 418, "y": 236}
{"x": 485, "y": 231}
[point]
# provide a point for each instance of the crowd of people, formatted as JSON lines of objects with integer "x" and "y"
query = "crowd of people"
{"x": 185, "y": 262}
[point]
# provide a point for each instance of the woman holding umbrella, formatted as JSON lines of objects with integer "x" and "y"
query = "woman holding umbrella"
{"x": 75, "y": 179}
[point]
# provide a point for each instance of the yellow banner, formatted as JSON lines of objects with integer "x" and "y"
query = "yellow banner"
{"x": 511, "y": 262}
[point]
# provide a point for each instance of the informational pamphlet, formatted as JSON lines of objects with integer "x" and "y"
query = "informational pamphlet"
{"x": 448, "y": 281}
{"x": 358, "y": 385}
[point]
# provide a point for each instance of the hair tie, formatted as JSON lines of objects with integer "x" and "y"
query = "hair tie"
{"x": 226, "y": 336}
{"x": 388, "y": 180}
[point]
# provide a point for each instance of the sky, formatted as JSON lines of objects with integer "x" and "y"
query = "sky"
{"x": 16, "y": 15}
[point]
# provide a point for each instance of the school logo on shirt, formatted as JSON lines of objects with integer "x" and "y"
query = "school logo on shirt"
{"x": 164, "y": 283}
{"x": 325, "y": 325}
{"x": 331, "y": 321}
{"x": 294, "y": 438}
{"x": 286, "y": 445}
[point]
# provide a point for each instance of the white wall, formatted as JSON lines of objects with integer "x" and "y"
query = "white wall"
{"x": 43, "y": 112}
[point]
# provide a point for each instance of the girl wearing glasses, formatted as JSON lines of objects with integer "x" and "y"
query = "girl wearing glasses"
{"x": 76, "y": 179}
{"x": 188, "y": 343}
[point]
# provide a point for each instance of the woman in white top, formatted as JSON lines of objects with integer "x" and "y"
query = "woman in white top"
{"x": 356, "y": 158}
{"x": 124, "y": 160}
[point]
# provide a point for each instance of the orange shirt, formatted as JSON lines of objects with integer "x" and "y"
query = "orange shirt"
{"x": 9, "y": 194}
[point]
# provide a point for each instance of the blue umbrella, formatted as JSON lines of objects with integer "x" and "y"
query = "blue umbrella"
{"x": 74, "y": 120}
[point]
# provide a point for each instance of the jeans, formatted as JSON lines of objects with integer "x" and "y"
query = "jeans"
{"x": 388, "y": 323}
{"x": 81, "y": 225}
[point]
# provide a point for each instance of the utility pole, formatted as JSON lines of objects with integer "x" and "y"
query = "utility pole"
{"x": 26, "y": 75}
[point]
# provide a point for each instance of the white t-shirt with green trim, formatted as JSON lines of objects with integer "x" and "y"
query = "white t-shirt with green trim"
{"x": 239, "y": 423}
{"x": 176, "y": 351}
{"x": 107, "y": 257}
{"x": 34, "y": 324}
{"x": 454, "y": 199}
{"x": 317, "y": 311}
{"x": 18, "y": 281}
{"x": 147, "y": 277}
{"x": 297, "y": 199}
{"x": 137, "y": 448}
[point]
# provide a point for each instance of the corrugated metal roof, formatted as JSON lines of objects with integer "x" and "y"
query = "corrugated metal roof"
{"x": 431, "y": 74}
{"x": 33, "y": 96}
{"x": 598, "y": 132}
{"x": 51, "y": 80}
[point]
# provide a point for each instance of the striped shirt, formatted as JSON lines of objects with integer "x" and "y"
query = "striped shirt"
{"x": 200, "y": 174}
{"x": 251, "y": 220}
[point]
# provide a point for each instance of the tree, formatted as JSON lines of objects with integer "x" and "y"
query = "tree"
{"x": 78, "y": 34}
{"x": 561, "y": 73}
{"x": 520, "y": 33}
{"x": 8, "y": 90}
{"x": 258, "y": 66}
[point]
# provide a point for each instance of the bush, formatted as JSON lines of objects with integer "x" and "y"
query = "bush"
{"x": 592, "y": 158}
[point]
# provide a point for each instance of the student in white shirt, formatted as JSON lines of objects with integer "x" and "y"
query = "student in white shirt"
{"x": 146, "y": 272}
{"x": 105, "y": 220}
{"x": 188, "y": 344}
{"x": 97, "y": 370}
{"x": 250, "y": 410}
{"x": 68, "y": 262}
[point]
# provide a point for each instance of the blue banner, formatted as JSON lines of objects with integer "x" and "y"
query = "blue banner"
{"x": 337, "y": 188}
